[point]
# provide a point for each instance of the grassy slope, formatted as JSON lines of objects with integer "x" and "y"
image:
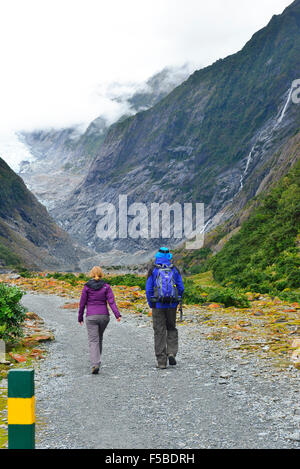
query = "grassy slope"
{"x": 264, "y": 254}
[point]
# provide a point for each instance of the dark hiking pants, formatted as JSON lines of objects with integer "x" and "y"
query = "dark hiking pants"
{"x": 96, "y": 326}
{"x": 165, "y": 333}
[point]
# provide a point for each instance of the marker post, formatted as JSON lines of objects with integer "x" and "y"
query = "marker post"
{"x": 21, "y": 409}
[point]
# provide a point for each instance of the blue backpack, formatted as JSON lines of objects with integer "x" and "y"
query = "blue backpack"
{"x": 165, "y": 289}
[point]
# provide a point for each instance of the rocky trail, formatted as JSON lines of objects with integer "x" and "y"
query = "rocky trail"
{"x": 214, "y": 398}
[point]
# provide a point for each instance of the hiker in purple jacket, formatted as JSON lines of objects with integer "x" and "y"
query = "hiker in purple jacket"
{"x": 95, "y": 296}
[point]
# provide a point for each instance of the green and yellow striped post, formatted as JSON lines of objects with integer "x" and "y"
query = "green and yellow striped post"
{"x": 21, "y": 409}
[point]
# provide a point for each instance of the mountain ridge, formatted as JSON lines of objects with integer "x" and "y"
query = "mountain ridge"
{"x": 210, "y": 140}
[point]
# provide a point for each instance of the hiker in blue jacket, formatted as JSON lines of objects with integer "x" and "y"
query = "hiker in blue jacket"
{"x": 164, "y": 289}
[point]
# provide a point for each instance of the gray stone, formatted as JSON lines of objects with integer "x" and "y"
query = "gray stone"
{"x": 14, "y": 277}
{"x": 294, "y": 436}
{"x": 225, "y": 375}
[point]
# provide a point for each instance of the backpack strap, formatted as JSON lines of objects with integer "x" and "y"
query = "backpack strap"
{"x": 151, "y": 270}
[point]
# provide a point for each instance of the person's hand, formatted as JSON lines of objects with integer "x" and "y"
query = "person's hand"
{"x": 81, "y": 323}
{"x": 119, "y": 319}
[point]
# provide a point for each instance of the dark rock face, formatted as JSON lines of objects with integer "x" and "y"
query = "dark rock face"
{"x": 211, "y": 140}
{"x": 28, "y": 235}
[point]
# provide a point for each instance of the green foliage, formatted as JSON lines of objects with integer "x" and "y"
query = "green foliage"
{"x": 228, "y": 297}
{"x": 129, "y": 280}
{"x": 70, "y": 278}
{"x": 290, "y": 296}
{"x": 12, "y": 313}
{"x": 264, "y": 256}
{"x": 26, "y": 273}
{"x": 82, "y": 277}
{"x": 195, "y": 262}
{"x": 8, "y": 257}
{"x": 197, "y": 269}
{"x": 194, "y": 294}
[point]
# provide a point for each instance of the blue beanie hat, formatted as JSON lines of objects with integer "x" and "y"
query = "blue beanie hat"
{"x": 164, "y": 253}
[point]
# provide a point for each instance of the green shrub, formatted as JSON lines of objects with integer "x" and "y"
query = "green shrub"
{"x": 129, "y": 280}
{"x": 26, "y": 273}
{"x": 69, "y": 277}
{"x": 281, "y": 285}
{"x": 197, "y": 269}
{"x": 293, "y": 296}
{"x": 12, "y": 313}
{"x": 82, "y": 277}
{"x": 58, "y": 276}
{"x": 228, "y": 297}
{"x": 224, "y": 295}
{"x": 192, "y": 293}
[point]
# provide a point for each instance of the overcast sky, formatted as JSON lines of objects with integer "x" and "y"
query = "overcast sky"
{"x": 57, "y": 54}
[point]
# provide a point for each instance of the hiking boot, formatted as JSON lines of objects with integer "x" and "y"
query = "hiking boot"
{"x": 172, "y": 360}
{"x": 95, "y": 370}
{"x": 161, "y": 366}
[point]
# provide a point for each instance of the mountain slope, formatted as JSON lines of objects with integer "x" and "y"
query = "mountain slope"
{"x": 28, "y": 235}
{"x": 264, "y": 255}
{"x": 62, "y": 157}
{"x": 211, "y": 140}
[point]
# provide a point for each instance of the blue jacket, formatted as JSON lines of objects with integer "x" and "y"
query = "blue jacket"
{"x": 151, "y": 284}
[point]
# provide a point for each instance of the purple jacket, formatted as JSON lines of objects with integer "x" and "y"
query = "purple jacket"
{"x": 95, "y": 296}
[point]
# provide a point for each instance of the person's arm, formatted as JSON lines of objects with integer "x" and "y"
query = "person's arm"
{"x": 150, "y": 290}
{"x": 82, "y": 304}
{"x": 112, "y": 303}
{"x": 179, "y": 283}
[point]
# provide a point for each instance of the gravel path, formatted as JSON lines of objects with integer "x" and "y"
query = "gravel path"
{"x": 212, "y": 399}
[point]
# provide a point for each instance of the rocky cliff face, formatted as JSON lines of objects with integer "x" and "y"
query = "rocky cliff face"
{"x": 214, "y": 139}
{"x": 62, "y": 157}
{"x": 28, "y": 235}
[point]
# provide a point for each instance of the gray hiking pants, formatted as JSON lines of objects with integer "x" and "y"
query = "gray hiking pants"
{"x": 96, "y": 326}
{"x": 165, "y": 333}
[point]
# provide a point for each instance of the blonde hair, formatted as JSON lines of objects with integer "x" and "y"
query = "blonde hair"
{"x": 96, "y": 273}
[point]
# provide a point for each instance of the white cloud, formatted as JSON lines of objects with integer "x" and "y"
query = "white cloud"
{"x": 56, "y": 53}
